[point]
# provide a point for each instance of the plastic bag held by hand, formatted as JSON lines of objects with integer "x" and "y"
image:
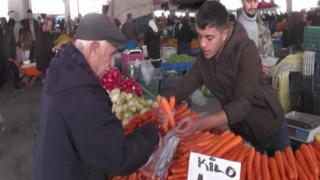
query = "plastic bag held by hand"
{"x": 147, "y": 71}
{"x": 163, "y": 158}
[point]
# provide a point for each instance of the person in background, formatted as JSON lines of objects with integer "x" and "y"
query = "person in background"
{"x": 316, "y": 18}
{"x": 184, "y": 38}
{"x": 12, "y": 23}
{"x": 20, "y": 31}
{"x": 79, "y": 137}
{"x": 152, "y": 40}
{"x": 43, "y": 57}
{"x": 163, "y": 19}
{"x": 130, "y": 29}
{"x": 9, "y": 45}
{"x": 230, "y": 66}
{"x": 3, "y": 62}
{"x": 293, "y": 30}
{"x": 255, "y": 27}
{"x": 34, "y": 29}
{"x": 25, "y": 39}
{"x": 176, "y": 27}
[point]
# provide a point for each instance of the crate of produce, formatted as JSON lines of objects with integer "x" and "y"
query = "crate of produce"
{"x": 179, "y": 63}
{"x": 169, "y": 80}
{"x": 311, "y": 40}
{"x": 152, "y": 88}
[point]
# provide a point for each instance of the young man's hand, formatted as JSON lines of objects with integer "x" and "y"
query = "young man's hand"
{"x": 190, "y": 126}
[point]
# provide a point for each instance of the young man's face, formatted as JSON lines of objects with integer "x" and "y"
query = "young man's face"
{"x": 211, "y": 40}
{"x": 29, "y": 16}
{"x": 250, "y": 7}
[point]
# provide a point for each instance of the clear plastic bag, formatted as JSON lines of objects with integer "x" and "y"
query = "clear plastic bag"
{"x": 198, "y": 98}
{"x": 162, "y": 160}
{"x": 147, "y": 71}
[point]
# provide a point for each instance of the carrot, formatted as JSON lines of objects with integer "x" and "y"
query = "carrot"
{"x": 274, "y": 169}
{"x": 303, "y": 163}
{"x": 317, "y": 145}
{"x": 317, "y": 153}
{"x": 225, "y": 133}
{"x": 256, "y": 165}
{"x": 220, "y": 143}
{"x": 243, "y": 170}
{"x": 165, "y": 127}
{"x": 168, "y": 111}
{"x": 279, "y": 160}
{"x": 179, "y": 170}
{"x": 301, "y": 173}
{"x": 233, "y": 154}
{"x": 242, "y": 155}
{"x": 314, "y": 158}
{"x": 181, "y": 108}
{"x": 253, "y": 175}
{"x": 172, "y": 102}
{"x": 264, "y": 167}
{"x": 291, "y": 161}
{"x": 178, "y": 176}
{"x": 308, "y": 157}
{"x": 194, "y": 115}
{"x": 287, "y": 166}
{"x": 205, "y": 142}
{"x": 183, "y": 114}
{"x": 250, "y": 162}
{"x": 228, "y": 146}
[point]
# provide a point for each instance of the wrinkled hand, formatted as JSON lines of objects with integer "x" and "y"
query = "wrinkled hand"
{"x": 163, "y": 118}
{"x": 190, "y": 126}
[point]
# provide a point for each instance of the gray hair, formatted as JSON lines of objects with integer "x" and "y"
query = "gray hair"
{"x": 82, "y": 44}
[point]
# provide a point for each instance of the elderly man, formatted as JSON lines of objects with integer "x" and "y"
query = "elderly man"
{"x": 79, "y": 137}
{"x": 255, "y": 27}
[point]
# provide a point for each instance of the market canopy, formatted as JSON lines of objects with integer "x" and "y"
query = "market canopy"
{"x": 267, "y": 6}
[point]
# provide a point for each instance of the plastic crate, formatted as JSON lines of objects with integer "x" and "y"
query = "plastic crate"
{"x": 316, "y": 104}
{"x": 179, "y": 67}
{"x": 311, "y": 40}
{"x": 152, "y": 88}
{"x": 295, "y": 82}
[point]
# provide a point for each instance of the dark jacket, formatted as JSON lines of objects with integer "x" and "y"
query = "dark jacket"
{"x": 36, "y": 26}
{"x": 130, "y": 30}
{"x": 152, "y": 41}
{"x": 44, "y": 52}
{"x": 79, "y": 137}
{"x": 184, "y": 39}
{"x": 10, "y": 45}
{"x": 235, "y": 77}
{"x": 3, "y": 62}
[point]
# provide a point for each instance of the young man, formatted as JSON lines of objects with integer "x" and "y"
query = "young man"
{"x": 255, "y": 27}
{"x": 34, "y": 28}
{"x": 230, "y": 66}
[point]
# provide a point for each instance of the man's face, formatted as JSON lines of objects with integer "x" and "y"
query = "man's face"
{"x": 3, "y": 23}
{"x": 101, "y": 57}
{"x": 250, "y": 6}
{"x": 211, "y": 40}
{"x": 47, "y": 26}
{"x": 29, "y": 16}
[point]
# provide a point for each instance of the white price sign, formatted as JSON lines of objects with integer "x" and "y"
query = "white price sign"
{"x": 202, "y": 167}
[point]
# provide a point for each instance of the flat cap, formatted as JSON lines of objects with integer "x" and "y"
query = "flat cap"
{"x": 98, "y": 27}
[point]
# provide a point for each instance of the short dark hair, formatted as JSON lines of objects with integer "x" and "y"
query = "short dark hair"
{"x": 11, "y": 22}
{"x": 3, "y": 19}
{"x": 212, "y": 14}
{"x": 129, "y": 15}
{"x": 29, "y": 11}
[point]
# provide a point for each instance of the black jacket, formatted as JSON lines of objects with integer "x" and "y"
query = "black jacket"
{"x": 44, "y": 52}
{"x": 79, "y": 137}
{"x": 152, "y": 41}
{"x": 36, "y": 26}
{"x": 10, "y": 45}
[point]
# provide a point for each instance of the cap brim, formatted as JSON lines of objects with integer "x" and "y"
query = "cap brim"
{"x": 117, "y": 43}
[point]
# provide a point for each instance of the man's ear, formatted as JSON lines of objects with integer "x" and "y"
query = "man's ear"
{"x": 225, "y": 34}
{"x": 94, "y": 48}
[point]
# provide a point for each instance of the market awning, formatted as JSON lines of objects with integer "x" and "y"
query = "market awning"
{"x": 266, "y": 6}
{"x": 181, "y": 2}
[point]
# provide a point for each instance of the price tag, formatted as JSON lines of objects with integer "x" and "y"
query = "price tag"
{"x": 202, "y": 167}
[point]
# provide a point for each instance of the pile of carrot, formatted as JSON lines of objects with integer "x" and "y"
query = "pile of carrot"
{"x": 304, "y": 164}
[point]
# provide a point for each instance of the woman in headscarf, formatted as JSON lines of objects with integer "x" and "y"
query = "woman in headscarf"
{"x": 152, "y": 40}
{"x": 185, "y": 38}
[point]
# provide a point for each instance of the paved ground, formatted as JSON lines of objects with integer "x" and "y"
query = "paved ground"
{"x": 20, "y": 111}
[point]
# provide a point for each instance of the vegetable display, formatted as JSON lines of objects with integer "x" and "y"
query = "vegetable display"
{"x": 174, "y": 43}
{"x": 304, "y": 164}
{"x": 113, "y": 80}
{"x": 125, "y": 105}
{"x": 183, "y": 58}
